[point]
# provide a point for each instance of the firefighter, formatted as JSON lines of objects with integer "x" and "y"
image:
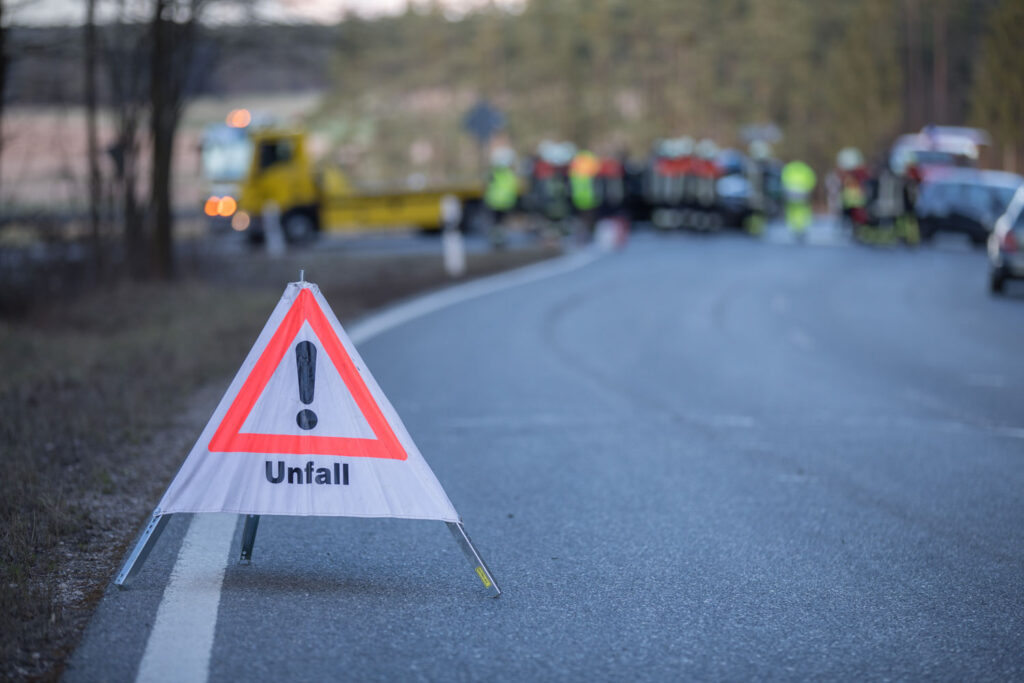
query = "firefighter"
{"x": 502, "y": 191}
{"x": 583, "y": 188}
{"x": 753, "y": 171}
{"x": 886, "y": 207}
{"x": 549, "y": 183}
{"x": 798, "y": 181}
{"x": 909, "y": 174}
{"x": 853, "y": 184}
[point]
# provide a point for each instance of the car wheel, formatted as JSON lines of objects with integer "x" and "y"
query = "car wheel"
{"x": 298, "y": 227}
{"x": 996, "y": 282}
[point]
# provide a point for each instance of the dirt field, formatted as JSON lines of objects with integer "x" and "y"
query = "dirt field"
{"x": 94, "y": 398}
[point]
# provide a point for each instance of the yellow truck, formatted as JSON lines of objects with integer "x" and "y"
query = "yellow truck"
{"x": 309, "y": 200}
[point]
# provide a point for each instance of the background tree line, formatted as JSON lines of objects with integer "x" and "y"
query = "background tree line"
{"x": 610, "y": 74}
{"x": 618, "y": 74}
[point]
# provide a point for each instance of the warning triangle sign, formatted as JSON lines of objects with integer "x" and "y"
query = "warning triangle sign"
{"x": 304, "y": 429}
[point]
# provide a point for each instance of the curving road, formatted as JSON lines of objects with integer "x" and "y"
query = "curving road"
{"x": 699, "y": 458}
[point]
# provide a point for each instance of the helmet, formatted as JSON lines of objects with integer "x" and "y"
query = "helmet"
{"x": 849, "y": 158}
{"x": 503, "y": 156}
{"x": 585, "y": 163}
{"x": 707, "y": 149}
{"x": 759, "y": 150}
{"x": 676, "y": 147}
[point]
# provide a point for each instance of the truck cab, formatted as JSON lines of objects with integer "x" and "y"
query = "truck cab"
{"x": 281, "y": 173}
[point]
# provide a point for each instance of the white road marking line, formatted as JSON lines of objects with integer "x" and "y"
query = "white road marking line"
{"x": 420, "y": 306}
{"x": 181, "y": 640}
{"x": 179, "y": 645}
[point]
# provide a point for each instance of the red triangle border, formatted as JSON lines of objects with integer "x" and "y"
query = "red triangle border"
{"x": 229, "y": 438}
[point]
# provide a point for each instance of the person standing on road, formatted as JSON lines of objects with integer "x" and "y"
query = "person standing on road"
{"x": 853, "y": 177}
{"x": 798, "y": 181}
{"x": 757, "y": 200}
{"x": 502, "y": 192}
{"x": 886, "y": 207}
{"x": 549, "y": 185}
{"x": 583, "y": 188}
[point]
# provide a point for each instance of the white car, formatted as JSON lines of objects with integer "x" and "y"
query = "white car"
{"x": 1005, "y": 254}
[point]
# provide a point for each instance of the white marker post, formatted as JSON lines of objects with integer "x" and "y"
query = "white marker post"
{"x": 273, "y": 236}
{"x": 451, "y": 238}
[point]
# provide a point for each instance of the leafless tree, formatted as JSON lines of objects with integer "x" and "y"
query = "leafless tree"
{"x": 92, "y": 135}
{"x": 173, "y": 38}
{"x": 125, "y": 51}
{"x": 3, "y": 72}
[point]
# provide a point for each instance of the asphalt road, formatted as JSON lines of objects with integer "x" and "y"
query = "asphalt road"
{"x": 700, "y": 458}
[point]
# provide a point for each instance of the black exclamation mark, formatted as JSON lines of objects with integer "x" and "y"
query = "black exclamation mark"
{"x": 305, "y": 360}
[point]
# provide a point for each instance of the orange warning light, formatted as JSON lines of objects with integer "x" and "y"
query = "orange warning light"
{"x": 239, "y": 118}
{"x": 210, "y": 207}
{"x": 226, "y": 206}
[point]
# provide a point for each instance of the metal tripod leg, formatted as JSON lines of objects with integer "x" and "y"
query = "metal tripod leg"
{"x": 474, "y": 557}
{"x": 252, "y": 522}
{"x": 147, "y": 539}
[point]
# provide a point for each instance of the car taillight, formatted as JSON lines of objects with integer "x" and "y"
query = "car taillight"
{"x": 1009, "y": 241}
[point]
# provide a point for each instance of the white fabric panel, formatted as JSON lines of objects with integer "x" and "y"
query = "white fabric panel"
{"x": 387, "y": 475}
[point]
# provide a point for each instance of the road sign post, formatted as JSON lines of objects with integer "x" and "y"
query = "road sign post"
{"x": 252, "y": 522}
{"x": 479, "y": 566}
{"x": 147, "y": 539}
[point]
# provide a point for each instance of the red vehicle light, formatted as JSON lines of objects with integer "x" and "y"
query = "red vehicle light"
{"x": 1009, "y": 241}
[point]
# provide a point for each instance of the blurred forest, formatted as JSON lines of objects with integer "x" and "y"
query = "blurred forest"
{"x": 613, "y": 75}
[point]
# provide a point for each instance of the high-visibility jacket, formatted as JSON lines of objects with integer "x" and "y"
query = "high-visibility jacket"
{"x": 798, "y": 180}
{"x": 502, "y": 189}
{"x": 582, "y": 173}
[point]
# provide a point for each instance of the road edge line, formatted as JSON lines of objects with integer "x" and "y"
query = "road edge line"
{"x": 181, "y": 640}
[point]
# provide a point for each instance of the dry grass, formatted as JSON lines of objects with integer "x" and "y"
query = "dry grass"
{"x": 89, "y": 393}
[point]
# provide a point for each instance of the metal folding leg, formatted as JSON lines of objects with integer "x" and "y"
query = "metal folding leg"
{"x": 252, "y": 522}
{"x": 459, "y": 532}
{"x": 147, "y": 539}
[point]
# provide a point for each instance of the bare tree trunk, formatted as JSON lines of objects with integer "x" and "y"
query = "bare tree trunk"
{"x": 161, "y": 133}
{"x": 3, "y": 75}
{"x": 171, "y": 59}
{"x": 91, "y": 136}
{"x": 914, "y": 87}
{"x": 134, "y": 237}
{"x": 940, "y": 64}
{"x": 126, "y": 67}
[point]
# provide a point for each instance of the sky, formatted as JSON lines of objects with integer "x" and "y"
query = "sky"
{"x": 64, "y": 12}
